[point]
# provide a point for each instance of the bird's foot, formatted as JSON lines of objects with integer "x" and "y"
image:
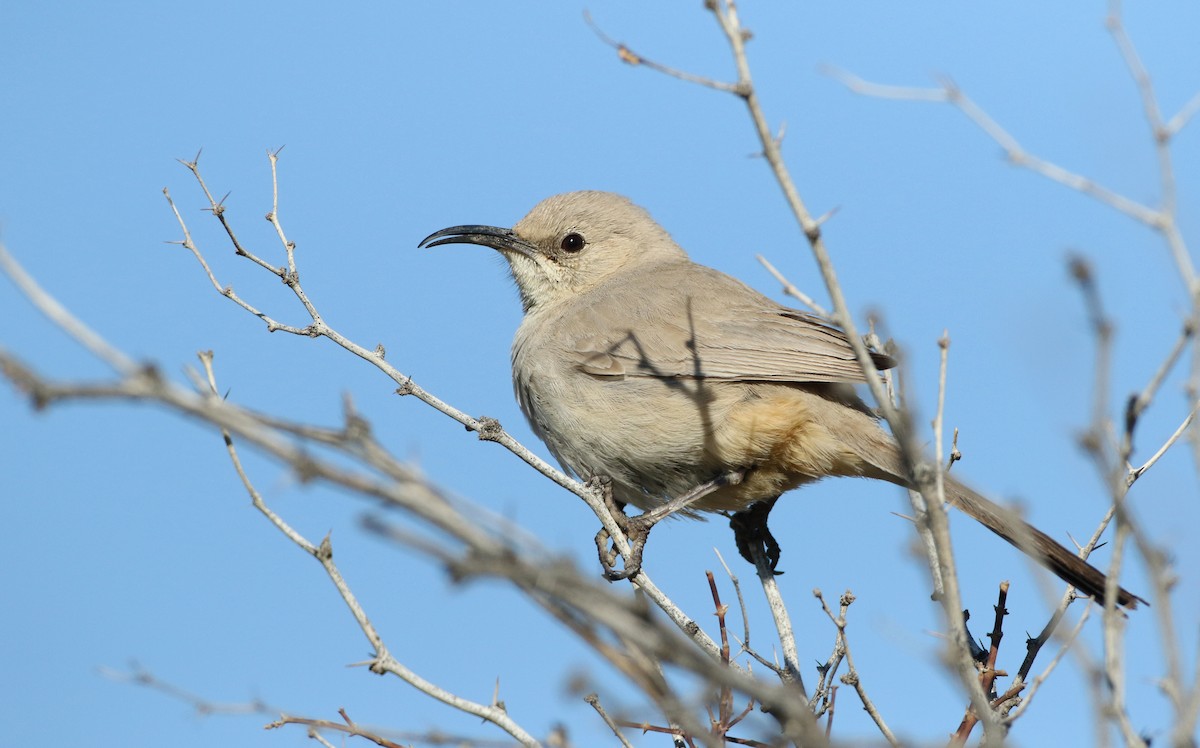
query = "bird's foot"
{"x": 634, "y": 529}
{"x": 754, "y": 539}
{"x": 637, "y": 528}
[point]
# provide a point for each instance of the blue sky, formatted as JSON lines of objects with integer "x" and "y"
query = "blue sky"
{"x": 128, "y": 536}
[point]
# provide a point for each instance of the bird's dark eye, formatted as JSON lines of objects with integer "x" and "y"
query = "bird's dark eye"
{"x": 573, "y": 242}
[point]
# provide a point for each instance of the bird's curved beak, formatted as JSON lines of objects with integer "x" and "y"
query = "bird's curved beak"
{"x": 495, "y": 237}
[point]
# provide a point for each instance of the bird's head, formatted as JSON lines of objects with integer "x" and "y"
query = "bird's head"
{"x": 571, "y": 243}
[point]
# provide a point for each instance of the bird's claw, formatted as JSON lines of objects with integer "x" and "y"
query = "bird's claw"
{"x": 753, "y": 537}
{"x": 634, "y": 529}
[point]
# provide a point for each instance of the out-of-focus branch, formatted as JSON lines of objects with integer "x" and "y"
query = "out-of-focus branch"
{"x": 67, "y": 322}
{"x": 1137, "y": 405}
{"x": 143, "y": 677}
{"x": 1161, "y": 219}
{"x": 1099, "y": 441}
{"x": 1168, "y": 214}
{"x": 949, "y": 93}
{"x": 1182, "y": 117}
{"x": 140, "y": 676}
{"x": 1112, "y": 457}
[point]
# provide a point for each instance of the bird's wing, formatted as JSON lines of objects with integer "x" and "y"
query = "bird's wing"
{"x": 683, "y": 331}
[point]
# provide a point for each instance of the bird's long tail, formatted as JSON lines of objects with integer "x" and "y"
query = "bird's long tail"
{"x": 1036, "y": 544}
{"x": 1005, "y": 523}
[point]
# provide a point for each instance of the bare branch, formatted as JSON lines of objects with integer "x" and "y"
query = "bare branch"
{"x": 594, "y": 701}
{"x": 1161, "y": 219}
{"x": 140, "y": 676}
{"x": 791, "y": 290}
{"x": 1182, "y": 117}
{"x": 783, "y": 622}
{"x": 851, "y": 678}
{"x": 629, "y": 57}
{"x": 1037, "y": 682}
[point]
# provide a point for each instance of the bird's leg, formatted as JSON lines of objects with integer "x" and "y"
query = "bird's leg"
{"x": 606, "y": 550}
{"x": 751, "y": 533}
{"x": 637, "y": 528}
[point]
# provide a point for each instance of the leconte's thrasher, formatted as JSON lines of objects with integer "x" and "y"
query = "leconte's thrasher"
{"x": 635, "y": 364}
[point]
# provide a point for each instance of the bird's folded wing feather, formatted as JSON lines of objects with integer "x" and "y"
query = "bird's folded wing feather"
{"x": 685, "y": 334}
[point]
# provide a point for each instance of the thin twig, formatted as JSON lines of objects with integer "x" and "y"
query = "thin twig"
{"x": 1138, "y": 404}
{"x": 851, "y": 678}
{"x": 1037, "y": 682}
{"x": 1136, "y": 473}
{"x": 140, "y": 676}
{"x": 594, "y": 701}
{"x": 1016, "y": 154}
{"x": 629, "y": 57}
{"x": 1182, "y": 117}
{"x": 790, "y": 289}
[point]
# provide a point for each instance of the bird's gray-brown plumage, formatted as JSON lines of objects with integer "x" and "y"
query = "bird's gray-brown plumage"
{"x": 636, "y": 364}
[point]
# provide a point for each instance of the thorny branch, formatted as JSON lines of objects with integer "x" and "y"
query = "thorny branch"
{"x": 851, "y": 677}
{"x": 988, "y": 673}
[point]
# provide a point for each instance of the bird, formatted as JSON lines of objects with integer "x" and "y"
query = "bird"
{"x": 664, "y": 378}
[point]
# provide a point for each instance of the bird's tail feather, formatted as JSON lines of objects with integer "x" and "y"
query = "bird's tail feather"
{"x": 1066, "y": 565}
